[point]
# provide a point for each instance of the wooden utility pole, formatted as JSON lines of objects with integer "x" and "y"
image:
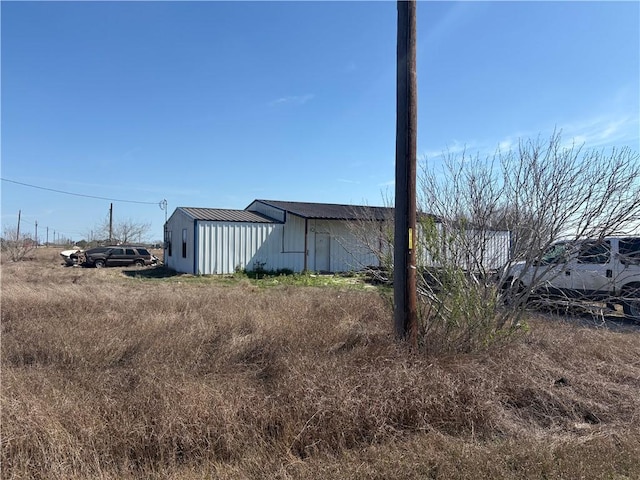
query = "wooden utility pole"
{"x": 36, "y": 233}
{"x": 110, "y": 223}
{"x": 404, "y": 276}
{"x": 18, "y": 229}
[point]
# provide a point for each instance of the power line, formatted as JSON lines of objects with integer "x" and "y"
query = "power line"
{"x": 34, "y": 224}
{"x": 79, "y": 194}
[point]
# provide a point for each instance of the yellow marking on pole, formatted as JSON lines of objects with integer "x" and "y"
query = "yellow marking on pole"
{"x": 410, "y": 238}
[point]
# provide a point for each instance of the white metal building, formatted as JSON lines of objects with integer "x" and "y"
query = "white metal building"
{"x": 272, "y": 235}
{"x": 300, "y": 236}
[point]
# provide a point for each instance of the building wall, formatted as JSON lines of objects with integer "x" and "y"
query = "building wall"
{"x": 224, "y": 247}
{"x": 293, "y": 234}
{"x": 332, "y": 245}
{"x": 176, "y": 225}
{"x": 348, "y": 249}
{"x": 470, "y": 250}
{"x": 497, "y": 250}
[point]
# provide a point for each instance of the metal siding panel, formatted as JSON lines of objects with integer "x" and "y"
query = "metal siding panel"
{"x": 498, "y": 250}
{"x": 311, "y": 244}
{"x": 194, "y": 248}
{"x": 248, "y": 244}
{"x": 215, "y": 247}
{"x": 491, "y": 247}
{"x": 216, "y": 252}
{"x": 208, "y": 250}
{"x": 293, "y": 239}
{"x": 239, "y": 246}
{"x": 226, "y": 247}
{"x": 348, "y": 253}
{"x": 238, "y": 243}
{"x": 223, "y": 246}
{"x": 203, "y": 239}
{"x": 203, "y": 252}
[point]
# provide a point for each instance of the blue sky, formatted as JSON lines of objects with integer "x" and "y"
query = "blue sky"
{"x": 214, "y": 104}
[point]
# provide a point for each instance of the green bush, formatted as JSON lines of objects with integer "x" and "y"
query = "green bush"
{"x": 459, "y": 309}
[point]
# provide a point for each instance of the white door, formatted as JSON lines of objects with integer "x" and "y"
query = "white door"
{"x": 322, "y": 252}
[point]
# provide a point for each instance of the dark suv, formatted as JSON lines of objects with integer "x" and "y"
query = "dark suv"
{"x": 118, "y": 256}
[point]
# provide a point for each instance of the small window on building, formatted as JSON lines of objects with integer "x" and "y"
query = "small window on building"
{"x": 168, "y": 240}
{"x": 184, "y": 243}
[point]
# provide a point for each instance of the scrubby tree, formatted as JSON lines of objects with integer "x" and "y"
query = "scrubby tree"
{"x": 540, "y": 193}
{"x": 16, "y": 246}
{"x": 124, "y": 231}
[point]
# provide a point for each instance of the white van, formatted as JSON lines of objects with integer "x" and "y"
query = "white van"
{"x": 605, "y": 270}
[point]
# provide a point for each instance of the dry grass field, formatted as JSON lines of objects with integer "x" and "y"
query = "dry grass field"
{"x": 110, "y": 375}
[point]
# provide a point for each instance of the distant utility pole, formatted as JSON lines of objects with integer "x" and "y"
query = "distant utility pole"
{"x": 18, "y": 229}
{"x": 36, "y": 233}
{"x": 110, "y": 223}
{"x": 47, "y": 237}
{"x": 404, "y": 276}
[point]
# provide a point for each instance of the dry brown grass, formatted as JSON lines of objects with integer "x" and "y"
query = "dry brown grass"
{"x": 106, "y": 376}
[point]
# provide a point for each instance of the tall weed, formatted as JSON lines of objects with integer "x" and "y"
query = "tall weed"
{"x": 106, "y": 376}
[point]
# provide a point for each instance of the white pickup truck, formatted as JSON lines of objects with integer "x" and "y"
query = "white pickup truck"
{"x": 605, "y": 270}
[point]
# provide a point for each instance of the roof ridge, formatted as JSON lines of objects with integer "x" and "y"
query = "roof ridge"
{"x": 320, "y": 203}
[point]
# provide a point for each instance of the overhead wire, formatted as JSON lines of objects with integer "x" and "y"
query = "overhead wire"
{"x": 33, "y": 224}
{"x": 78, "y": 194}
{"x": 162, "y": 203}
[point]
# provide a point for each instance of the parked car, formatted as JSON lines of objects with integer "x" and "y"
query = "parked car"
{"x": 602, "y": 270}
{"x": 118, "y": 256}
{"x": 71, "y": 257}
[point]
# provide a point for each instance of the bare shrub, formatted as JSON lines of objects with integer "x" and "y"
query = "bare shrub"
{"x": 477, "y": 216}
{"x": 540, "y": 193}
{"x": 15, "y": 246}
{"x": 122, "y": 231}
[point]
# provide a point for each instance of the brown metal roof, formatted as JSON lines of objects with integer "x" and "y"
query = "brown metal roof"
{"x": 226, "y": 215}
{"x": 331, "y": 211}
